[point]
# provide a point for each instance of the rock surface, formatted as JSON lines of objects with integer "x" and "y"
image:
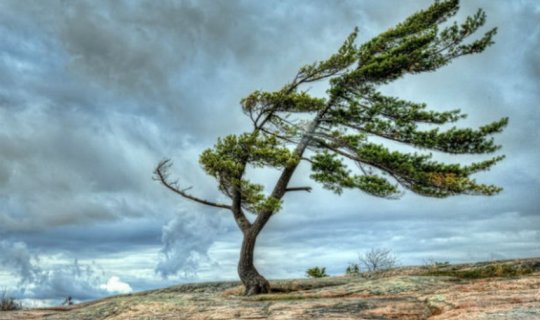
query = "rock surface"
{"x": 407, "y": 293}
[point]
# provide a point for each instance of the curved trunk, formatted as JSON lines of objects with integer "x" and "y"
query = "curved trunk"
{"x": 250, "y": 277}
{"x": 252, "y": 280}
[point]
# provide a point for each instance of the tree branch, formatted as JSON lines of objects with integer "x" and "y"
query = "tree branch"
{"x": 161, "y": 175}
{"x": 287, "y": 173}
{"x": 239, "y": 215}
{"x": 308, "y": 189}
{"x": 402, "y": 180}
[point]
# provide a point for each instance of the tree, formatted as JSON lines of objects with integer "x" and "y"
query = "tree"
{"x": 291, "y": 126}
{"x": 378, "y": 260}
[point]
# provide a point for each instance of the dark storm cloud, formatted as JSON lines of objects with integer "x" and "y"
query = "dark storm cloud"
{"x": 157, "y": 51}
{"x": 107, "y": 237}
{"x": 60, "y": 164}
{"x": 94, "y": 93}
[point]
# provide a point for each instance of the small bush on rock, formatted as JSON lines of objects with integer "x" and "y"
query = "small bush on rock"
{"x": 353, "y": 269}
{"x": 377, "y": 262}
{"x": 316, "y": 272}
{"x": 8, "y": 303}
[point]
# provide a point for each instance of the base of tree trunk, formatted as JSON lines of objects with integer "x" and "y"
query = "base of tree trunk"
{"x": 253, "y": 282}
{"x": 256, "y": 285}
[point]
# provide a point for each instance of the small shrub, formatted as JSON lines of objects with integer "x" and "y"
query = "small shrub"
{"x": 353, "y": 269}
{"x": 435, "y": 266}
{"x": 377, "y": 261}
{"x": 442, "y": 264}
{"x": 316, "y": 272}
{"x": 8, "y": 303}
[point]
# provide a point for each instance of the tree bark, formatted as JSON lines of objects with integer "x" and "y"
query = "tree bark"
{"x": 253, "y": 282}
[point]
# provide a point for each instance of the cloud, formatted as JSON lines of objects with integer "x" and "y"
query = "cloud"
{"x": 115, "y": 285}
{"x": 186, "y": 241}
{"x": 81, "y": 282}
{"x": 16, "y": 257}
{"x": 58, "y": 280}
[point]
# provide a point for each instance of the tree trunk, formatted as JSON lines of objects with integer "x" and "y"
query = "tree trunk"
{"x": 252, "y": 280}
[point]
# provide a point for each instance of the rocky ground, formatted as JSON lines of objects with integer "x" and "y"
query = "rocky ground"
{"x": 494, "y": 290}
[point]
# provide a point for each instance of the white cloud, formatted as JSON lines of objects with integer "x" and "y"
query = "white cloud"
{"x": 49, "y": 278}
{"x": 115, "y": 285}
{"x": 186, "y": 241}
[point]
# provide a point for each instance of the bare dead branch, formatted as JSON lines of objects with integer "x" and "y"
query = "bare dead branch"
{"x": 161, "y": 174}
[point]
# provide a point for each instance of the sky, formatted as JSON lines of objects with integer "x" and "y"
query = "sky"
{"x": 93, "y": 94}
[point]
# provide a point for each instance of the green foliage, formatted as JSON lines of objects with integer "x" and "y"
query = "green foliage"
{"x": 334, "y": 175}
{"x": 413, "y": 46}
{"x": 291, "y": 125}
{"x": 353, "y": 269}
{"x": 230, "y": 154}
{"x": 345, "y": 57}
{"x": 376, "y": 109}
{"x": 281, "y": 102}
{"x": 228, "y": 159}
{"x": 316, "y": 272}
{"x": 416, "y": 45}
{"x": 355, "y": 111}
{"x": 255, "y": 201}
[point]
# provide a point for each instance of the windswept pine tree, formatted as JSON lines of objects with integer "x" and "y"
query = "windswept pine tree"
{"x": 331, "y": 133}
